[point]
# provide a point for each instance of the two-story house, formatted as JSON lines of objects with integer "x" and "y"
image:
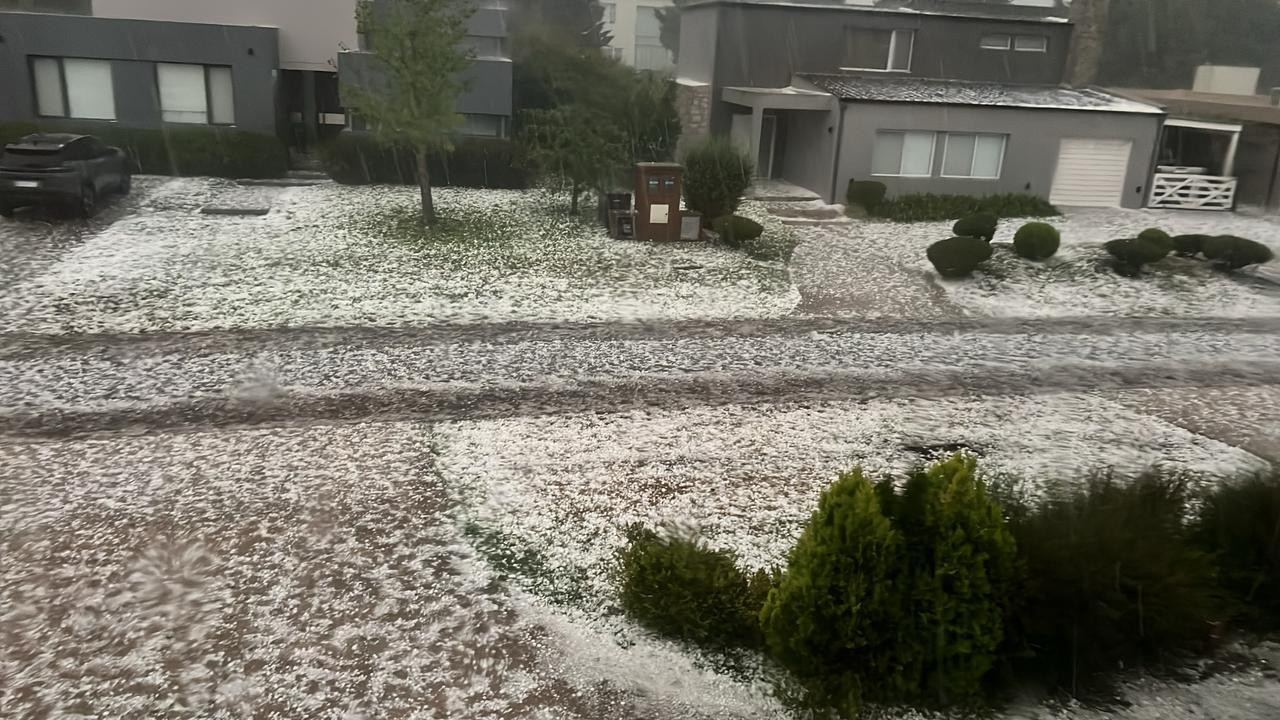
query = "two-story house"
{"x": 947, "y": 96}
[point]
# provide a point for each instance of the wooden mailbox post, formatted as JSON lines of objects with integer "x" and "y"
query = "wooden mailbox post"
{"x": 658, "y": 188}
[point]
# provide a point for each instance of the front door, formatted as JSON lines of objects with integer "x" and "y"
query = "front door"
{"x": 740, "y": 134}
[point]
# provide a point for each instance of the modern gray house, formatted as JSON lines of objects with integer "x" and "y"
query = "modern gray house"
{"x": 266, "y": 66}
{"x": 944, "y": 96}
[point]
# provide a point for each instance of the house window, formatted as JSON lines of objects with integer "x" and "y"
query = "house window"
{"x": 650, "y": 53}
{"x": 1031, "y": 43}
{"x": 884, "y": 50}
{"x": 610, "y": 12}
{"x": 73, "y": 87}
{"x": 973, "y": 156}
{"x": 903, "y": 153}
{"x": 486, "y": 47}
{"x": 197, "y": 94}
{"x": 483, "y": 125}
{"x": 613, "y": 53}
{"x": 996, "y": 42}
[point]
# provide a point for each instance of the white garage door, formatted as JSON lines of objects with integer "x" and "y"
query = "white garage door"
{"x": 1091, "y": 173}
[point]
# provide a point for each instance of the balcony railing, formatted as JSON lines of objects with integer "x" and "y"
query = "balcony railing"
{"x": 1193, "y": 192}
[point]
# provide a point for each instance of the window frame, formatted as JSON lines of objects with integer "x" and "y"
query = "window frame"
{"x": 62, "y": 87}
{"x": 1008, "y": 42}
{"x": 893, "y": 46}
{"x": 933, "y": 153}
{"x": 208, "y": 93}
{"x": 1042, "y": 39}
{"x": 946, "y": 144}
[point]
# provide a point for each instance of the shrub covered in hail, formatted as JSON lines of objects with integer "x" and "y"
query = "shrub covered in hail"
{"x": 1157, "y": 236}
{"x": 866, "y": 194}
{"x": 1232, "y": 253}
{"x": 736, "y": 230}
{"x": 1132, "y": 253}
{"x": 716, "y": 176}
{"x": 1037, "y": 241}
{"x": 958, "y": 256}
{"x": 1188, "y": 245}
{"x": 981, "y": 225}
{"x": 677, "y": 586}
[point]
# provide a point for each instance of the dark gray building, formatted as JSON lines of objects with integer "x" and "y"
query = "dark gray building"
{"x": 945, "y": 96}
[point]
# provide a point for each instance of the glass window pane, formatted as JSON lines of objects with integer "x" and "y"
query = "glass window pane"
{"x": 995, "y": 42}
{"x": 488, "y": 125}
{"x": 959, "y": 158}
{"x": 903, "y": 40}
{"x": 988, "y": 156}
{"x": 1031, "y": 43}
{"x": 917, "y": 153}
{"x": 222, "y": 96}
{"x": 886, "y": 157}
{"x": 867, "y": 49}
{"x": 48, "y": 81}
{"x": 182, "y": 98}
{"x": 89, "y": 90}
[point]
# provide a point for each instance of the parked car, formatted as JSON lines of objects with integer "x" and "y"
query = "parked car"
{"x": 62, "y": 170}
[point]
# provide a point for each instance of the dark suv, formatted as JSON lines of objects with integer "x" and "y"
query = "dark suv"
{"x": 70, "y": 171}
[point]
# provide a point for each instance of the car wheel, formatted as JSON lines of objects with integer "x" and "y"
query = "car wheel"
{"x": 126, "y": 183}
{"x": 88, "y": 202}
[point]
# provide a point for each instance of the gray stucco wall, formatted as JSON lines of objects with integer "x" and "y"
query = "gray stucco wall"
{"x": 1031, "y": 155}
{"x": 809, "y": 148}
{"x": 134, "y": 46}
{"x": 699, "y": 27}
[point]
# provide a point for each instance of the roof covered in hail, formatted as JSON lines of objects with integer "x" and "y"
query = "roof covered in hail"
{"x": 962, "y": 92}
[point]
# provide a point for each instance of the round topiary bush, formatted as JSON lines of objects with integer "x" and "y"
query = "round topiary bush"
{"x": 958, "y": 256}
{"x": 1188, "y": 245}
{"x": 866, "y": 194}
{"x": 1037, "y": 241}
{"x": 736, "y": 230}
{"x": 716, "y": 176}
{"x": 979, "y": 225}
{"x": 1232, "y": 253}
{"x": 1157, "y": 236}
{"x": 1132, "y": 253}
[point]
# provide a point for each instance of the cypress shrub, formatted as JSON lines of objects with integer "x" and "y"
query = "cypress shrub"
{"x": 1132, "y": 253}
{"x": 958, "y": 256}
{"x": 1240, "y": 524}
{"x": 1232, "y": 253}
{"x": 1188, "y": 245}
{"x": 736, "y": 230}
{"x": 1112, "y": 579}
{"x": 1037, "y": 241}
{"x": 677, "y": 586}
{"x": 980, "y": 225}
{"x": 866, "y": 194}
{"x": 716, "y": 176}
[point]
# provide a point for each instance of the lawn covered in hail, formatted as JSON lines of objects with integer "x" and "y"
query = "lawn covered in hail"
{"x": 337, "y": 255}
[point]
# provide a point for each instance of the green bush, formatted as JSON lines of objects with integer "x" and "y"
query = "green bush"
{"x": 359, "y": 159}
{"x": 678, "y": 587}
{"x": 1157, "y": 236}
{"x": 1132, "y": 253}
{"x": 835, "y": 617}
{"x": 928, "y": 207}
{"x": 959, "y": 577}
{"x": 716, "y": 176}
{"x": 866, "y": 194}
{"x": 1112, "y": 578}
{"x": 980, "y": 225}
{"x": 958, "y": 256}
{"x": 1239, "y": 524}
{"x": 1232, "y": 253}
{"x": 1188, "y": 245}
{"x": 1037, "y": 241}
{"x": 736, "y": 230}
{"x": 212, "y": 151}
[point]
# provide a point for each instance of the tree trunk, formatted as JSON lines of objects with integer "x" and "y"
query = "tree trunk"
{"x": 1090, "y": 18}
{"x": 573, "y": 200}
{"x": 424, "y": 185}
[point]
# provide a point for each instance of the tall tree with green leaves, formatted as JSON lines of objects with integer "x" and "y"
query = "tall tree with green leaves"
{"x": 409, "y": 94}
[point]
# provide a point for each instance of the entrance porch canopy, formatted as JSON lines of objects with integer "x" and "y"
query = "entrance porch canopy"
{"x": 784, "y": 98}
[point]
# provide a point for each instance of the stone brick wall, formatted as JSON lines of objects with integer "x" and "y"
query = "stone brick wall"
{"x": 693, "y": 104}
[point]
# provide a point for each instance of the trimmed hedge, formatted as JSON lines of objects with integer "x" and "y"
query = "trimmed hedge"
{"x": 212, "y": 151}
{"x": 1132, "y": 253}
{"x": 866, "y": 194}
{"x": 1188, "y": 245}
{"x": 928, "y": 207}
{"x": 1037, "y": 241}
{"x": 736, "y": 230}
{"x": 980, "y": 225}
{"x": 1232, "y": 253}
{"x": 957, "y": 257}
{"x": 1157, "y": 236}
{"x": 359, "y": 159}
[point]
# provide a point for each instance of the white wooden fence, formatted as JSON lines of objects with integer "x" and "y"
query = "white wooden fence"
{"x": 1193, "y": 192}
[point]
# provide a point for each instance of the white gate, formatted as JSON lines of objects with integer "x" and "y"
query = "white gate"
{"x": 1193, "y": 192}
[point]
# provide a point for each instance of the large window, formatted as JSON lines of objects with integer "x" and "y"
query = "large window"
{"x": 73, "y": 87}
{"x": 1031, "y": 43}
{"x": 903, "y": 153}
{"x": 888, "y": 50}
{"x": 198, "y": 94}
{"x": 650, "y": 53}
{"x": 483, "y": 125}
{"x": 610, "y": 14}
{"x": 973, "y": 156}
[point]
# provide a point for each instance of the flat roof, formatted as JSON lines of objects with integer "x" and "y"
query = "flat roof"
{"x": 1217, "y": 106}
{"x": 1005, "y": 12}
{"x": 861, "y": 88}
